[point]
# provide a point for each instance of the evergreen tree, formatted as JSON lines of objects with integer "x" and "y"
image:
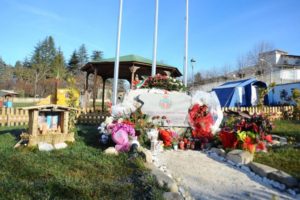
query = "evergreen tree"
{"x": 82, "y": 55}
{"x": 2, "y": 70}
{"x": 18, "y": 64}
{"x": 59, "y": 69}
{"x": 2, "y": 66}
{"x": 97, "y": 55}
{"x": 42, "y": 60}
{"x": 73, "y": 64}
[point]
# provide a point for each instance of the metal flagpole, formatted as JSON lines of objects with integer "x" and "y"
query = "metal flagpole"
{"x": 185, "y": 70}
{"x": 153, "y": 71}
{"x": 116, "y": 68}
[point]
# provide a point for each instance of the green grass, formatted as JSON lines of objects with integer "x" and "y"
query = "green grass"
{"x": 284, "y": 158}
{"x": 287, "y": 128}
{"x": 80, "y": 171}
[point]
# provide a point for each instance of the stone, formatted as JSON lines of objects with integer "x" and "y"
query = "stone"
{"x": 45, "y": 146}
{"x": 146, "y": 154}
{"x": 219, "y": 152}
{"x": 164, "y": 181}
{"x": 111, "y": 151}
{"x": 173, "y": 105}
{"x": 284, "y": 178}
{"x": 172, "y": 196}
{"x": 261, "y": 169}
{"x": 278, "y": 140}
{"x": 60, "y": 145}
{"x": 239, "y": 157}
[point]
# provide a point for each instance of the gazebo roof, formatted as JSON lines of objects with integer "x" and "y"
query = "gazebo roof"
{"x": 105, "y": 67}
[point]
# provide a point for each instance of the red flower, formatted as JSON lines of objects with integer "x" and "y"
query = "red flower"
{"x": 128, "y": 123}
{"x": 261, "y": 146}
{"x": 269, "y": 138}
{"x": 228, "y": 139}
{"x": 166, "y": 136}
{"x": 248, "y": 145}
{"x": 201, "y": 121}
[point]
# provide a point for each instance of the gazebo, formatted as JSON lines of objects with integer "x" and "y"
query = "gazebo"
{"x": 129, "y": 67}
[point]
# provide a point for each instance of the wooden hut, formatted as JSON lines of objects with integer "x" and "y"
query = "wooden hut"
{"x": 49, "y": 124}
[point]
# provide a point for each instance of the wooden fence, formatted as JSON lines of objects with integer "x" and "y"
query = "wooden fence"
{"x": 18, "y": 117}
{"x": 13, "y": 117}
{"x": 274, "y": 112}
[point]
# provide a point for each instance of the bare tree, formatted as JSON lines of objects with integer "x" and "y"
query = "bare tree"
{"x": 253, "y": 55}
{"x": 226, "y": 69}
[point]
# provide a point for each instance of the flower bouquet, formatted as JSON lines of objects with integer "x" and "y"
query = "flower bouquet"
{"x": 163, "y": 82}
{"x": 250, "y": 133}
{"x": 201, "y": 121}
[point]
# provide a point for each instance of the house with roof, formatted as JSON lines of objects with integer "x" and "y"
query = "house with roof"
{"x": 272, "y": 66}
{"x": 280, "y": 67}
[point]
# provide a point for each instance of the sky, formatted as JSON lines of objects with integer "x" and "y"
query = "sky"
{"x": 219, "y": 31}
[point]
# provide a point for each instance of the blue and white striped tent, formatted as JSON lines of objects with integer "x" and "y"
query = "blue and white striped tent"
{"x": 239, "y": 93}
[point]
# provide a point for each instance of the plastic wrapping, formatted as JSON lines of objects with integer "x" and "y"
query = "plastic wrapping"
{"x": 213, "y": 104}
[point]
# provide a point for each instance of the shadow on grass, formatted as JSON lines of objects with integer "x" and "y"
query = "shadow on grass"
{"x": 14, "y": 131}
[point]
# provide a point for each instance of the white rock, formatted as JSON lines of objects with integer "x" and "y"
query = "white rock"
{"x": 111, "y": 151}
{"x": 239, "y": 156}
{"x": 230, "y": 162}
{"x": 245, "y": 168}
{"x": 60, "y": 145}
{"x": 292, "y": 192}
{"x": 43, "y": 146}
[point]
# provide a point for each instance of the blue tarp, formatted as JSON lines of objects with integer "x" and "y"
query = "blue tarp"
{"x": 239, "y": 93}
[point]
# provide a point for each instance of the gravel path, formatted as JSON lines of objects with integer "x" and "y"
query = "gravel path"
{"x": 207, "y": 178}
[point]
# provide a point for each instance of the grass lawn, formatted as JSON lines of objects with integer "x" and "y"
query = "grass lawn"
{"x": 80, "y": 171}
{"x": 287, "y": 128}
{"x": 284, "y": 158}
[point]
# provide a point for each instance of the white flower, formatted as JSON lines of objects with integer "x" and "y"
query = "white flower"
{"x": 120, "y": 120}
{"x": 109, "y": 120}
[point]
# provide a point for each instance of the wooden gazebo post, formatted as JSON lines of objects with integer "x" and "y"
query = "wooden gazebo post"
{"x": 133, "y": 69}
{"x": 86, "y": 99}
{"x": 95, "y": 88}
{"x": 103, "y": 92}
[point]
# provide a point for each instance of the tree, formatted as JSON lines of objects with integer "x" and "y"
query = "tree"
{"x": 197, "y": 77}
{"x": 97, "y": 55}
{"x": 83, "y": 57}
{"x": 42, "y": 60}
{"x": 253, "y": 55}
{"x": 2, "y": 66}
{"x": 73, "y": 64}
{"x": 59, "y": 69}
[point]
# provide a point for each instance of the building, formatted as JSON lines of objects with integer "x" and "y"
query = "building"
{"x": 272, "y": 66}
{"x": 279, "y": 67}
